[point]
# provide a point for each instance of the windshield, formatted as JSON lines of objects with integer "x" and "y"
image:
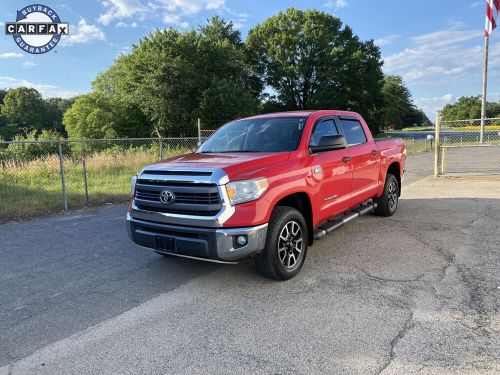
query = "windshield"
{"x": 276, "y": 134}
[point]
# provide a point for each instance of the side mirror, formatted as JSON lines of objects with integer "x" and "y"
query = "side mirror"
{"x": 329, "y": 143}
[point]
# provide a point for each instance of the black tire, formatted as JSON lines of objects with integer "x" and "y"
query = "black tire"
{"x": 272, "y": 262}
{"x": 387, "y": 204}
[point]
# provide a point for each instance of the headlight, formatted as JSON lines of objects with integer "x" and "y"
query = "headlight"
{"x": 133, "y": 180}
{"x": 245, "y": 191}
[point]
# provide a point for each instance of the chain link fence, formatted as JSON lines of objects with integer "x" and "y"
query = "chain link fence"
{"x": 207, "y": 128}
{"x": 39, "y": 177}
{"x": 462, "y": 149}
{"x": 43, "y": 176}
{"x": 416, "y": 145}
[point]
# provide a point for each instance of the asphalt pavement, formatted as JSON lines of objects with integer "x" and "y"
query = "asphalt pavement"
{"x": 415, "y": 293}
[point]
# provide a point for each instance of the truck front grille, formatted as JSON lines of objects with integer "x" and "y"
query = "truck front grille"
{"x": 190, "y": 198}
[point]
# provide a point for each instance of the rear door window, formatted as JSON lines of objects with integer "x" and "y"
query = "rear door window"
{"x": 353, "y": 131}
{"x": 322, "y": 129}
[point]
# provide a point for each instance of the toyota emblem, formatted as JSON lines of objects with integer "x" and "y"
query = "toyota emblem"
{"x": 167, "y": 197}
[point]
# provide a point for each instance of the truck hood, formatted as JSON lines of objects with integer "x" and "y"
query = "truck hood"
{"x": 237, "y": 165}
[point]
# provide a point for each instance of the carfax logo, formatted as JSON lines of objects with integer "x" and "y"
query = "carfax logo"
{"x": 37, "y": 29}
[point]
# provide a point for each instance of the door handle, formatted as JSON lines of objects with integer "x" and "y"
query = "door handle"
{"x": 374, "y": 152}
{"x": 346, "y": 159}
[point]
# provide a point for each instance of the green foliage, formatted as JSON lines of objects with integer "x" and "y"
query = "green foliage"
{"x": 399, "y": 109}
{"x": 307, "y": 59}
{"x": 24, "y": 107}
{"x": 312, "y": 61}
{"x": 54, "y": 111}
{"x": 2, "y": 95}
{"x": 90, "y": 116}
{"x": 28, "y": 151}
{"x": 469, "y": 107}
{"x": 169, "y": 80}
{"x": 231, "y": 100}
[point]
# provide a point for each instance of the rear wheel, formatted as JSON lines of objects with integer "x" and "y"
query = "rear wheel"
{"x": 286, "y": 245}
{"x": 387, "y": 204}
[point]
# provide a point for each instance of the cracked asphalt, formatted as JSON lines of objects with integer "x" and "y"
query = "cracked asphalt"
{"x": 418, "y": 293}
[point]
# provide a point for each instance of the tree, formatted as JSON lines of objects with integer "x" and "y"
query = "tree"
{"x": 230, "y": 101}
{"x": 469, "y": 107}
{"x": 23, "y": 108}
{"x": 2, "y": 95}
{"x": 399, "y": 109}
{"x": 312, "y": 61}
{"x": 171, "y": 78}
{"x": 54, "y": 109}
{"x": 90, "y": 116}
{"x": 130, "y": 120}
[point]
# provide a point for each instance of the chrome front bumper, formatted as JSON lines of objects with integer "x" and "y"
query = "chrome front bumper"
{"x": 197, "y": 242}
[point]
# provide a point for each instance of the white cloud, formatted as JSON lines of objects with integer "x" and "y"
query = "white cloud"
{"x": 10, "y": 55}
{"x": 47, "y": 91}
{"x": 446, "y": 54}
{"x": 28, "y": 64}
{"x": 386, "y": 40}
{"x": 119, "y": 9}
{"x": 173, "y": 12}
{"x": 476, "y": 4}
{"x": 336, "y": 4}
{"x": 175, "y": 20}
{"x": 122, "y": 24}
{"x": 189, "y": 7}
{"x": 239, "y": 18}
{"x": 432, "y": 105}
{"x": 84, "y": 33}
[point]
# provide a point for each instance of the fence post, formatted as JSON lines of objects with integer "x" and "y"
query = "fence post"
{"x": 85, "y": 185}
{"x": 437, "y": 143}
{"x": 199, "y": 131}
{"x": 63, "y": 180}
{"x": 413, "y": 144}
{"x": 161, "y": 148}
{"x": 443, "y": 160}
{"x": 425, "y": 145}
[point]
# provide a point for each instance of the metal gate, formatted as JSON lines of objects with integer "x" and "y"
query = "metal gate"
{"x": 460, "y": 149}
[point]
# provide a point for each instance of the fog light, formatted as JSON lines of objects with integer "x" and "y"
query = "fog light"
{"x": 242, "y": 240}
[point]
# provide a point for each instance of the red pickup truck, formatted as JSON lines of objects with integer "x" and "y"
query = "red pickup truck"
{"x": 266, "y": 187}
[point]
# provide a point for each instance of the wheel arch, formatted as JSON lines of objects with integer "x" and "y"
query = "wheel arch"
{"x": 394, "y": 168}
{"x": 302, "y": 202}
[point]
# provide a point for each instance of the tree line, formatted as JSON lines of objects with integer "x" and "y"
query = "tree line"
{"x": 292, "y": 61}
{"x": 469, "y": 107}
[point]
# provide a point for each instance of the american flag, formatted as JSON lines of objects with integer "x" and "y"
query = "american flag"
{"x": 492, "y": 13}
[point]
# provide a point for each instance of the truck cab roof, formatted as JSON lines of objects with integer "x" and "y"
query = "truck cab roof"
{"x": 324, "y": 112}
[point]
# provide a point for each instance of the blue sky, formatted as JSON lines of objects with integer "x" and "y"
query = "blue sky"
{"x": 436, "y": 45}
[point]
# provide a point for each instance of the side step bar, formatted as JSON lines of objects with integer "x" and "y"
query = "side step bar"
{"x": 336, "y": 223}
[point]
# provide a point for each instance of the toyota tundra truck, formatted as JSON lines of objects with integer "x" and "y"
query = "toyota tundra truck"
{"x": 266, "y": 187}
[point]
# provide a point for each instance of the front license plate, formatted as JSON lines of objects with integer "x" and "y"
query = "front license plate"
{"x": 165, "y": 243}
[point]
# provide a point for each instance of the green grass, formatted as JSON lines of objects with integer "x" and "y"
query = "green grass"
{"x": 33, "y": 188}
{"x": 418, "y": 129}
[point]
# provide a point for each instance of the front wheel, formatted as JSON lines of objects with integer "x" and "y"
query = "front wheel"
{"x": 286, "y": 245}
{"x": 387, "y": 204}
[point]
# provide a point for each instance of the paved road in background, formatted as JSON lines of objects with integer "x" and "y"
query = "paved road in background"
{"x": 416, "y": 291}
